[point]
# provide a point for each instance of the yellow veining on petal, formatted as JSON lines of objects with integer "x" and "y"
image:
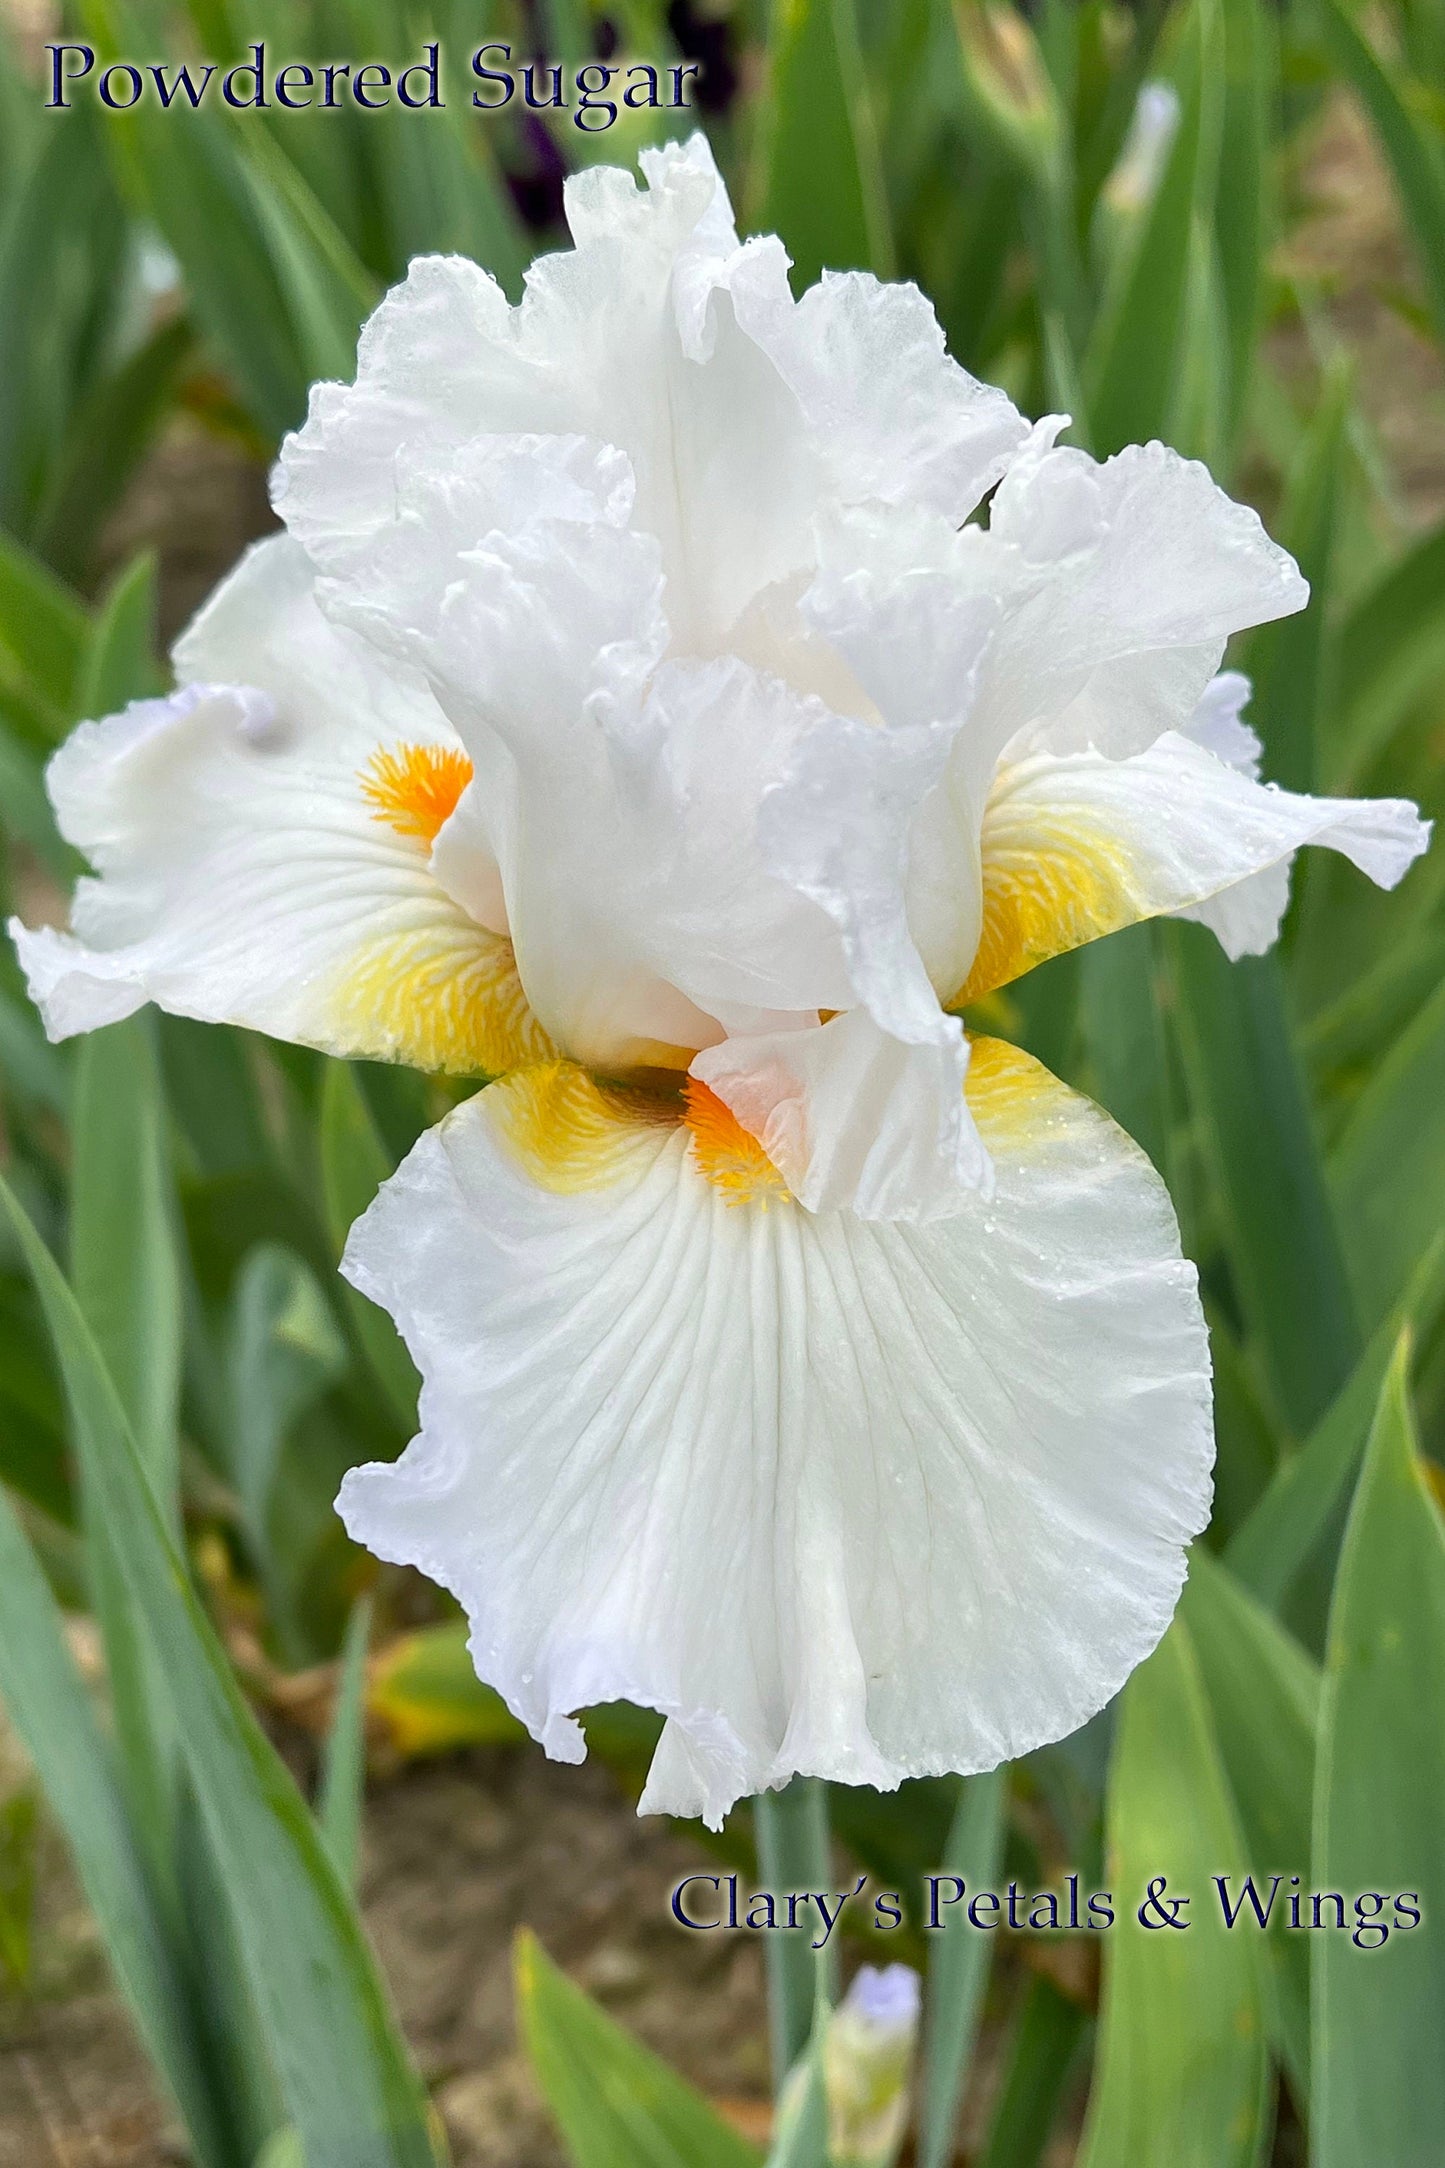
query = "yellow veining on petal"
{"x": 570, "y": 1132}
{"x": 415, "y": 788}
{"x": 442, "y": 995}
{"x": 1045, "y": 889}
{"x": 729, "y": 1155}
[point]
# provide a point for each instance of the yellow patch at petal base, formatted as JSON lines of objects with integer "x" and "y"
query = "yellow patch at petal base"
{"x": 415, "y": 788}
{"x": 729, "y": 1155}
{"x": 1015, "y": 1101}
{"x": 569, "y": 1132}
{"x": 1046, "y": 889}
{"x": 442, "y": 995}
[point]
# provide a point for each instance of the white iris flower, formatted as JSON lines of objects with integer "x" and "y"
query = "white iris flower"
{"x": 628, "y": 715}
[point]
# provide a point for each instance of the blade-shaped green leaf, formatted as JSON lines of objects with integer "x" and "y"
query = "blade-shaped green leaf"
{"x": 354, "y": 1164}
{"x": 1351, "y": 1034}
{"x": 822, "y": 182}
{"x": 62, "y": 206}
{"x": 33, "y": 1459}
{"x": 1179, "y": 2080}
{"x": 1388, "y": 1169}
{"x": 1043, "y": 2048}
{"x": 1379, "y": 2013}
{"x": 616, "y": 2104}
{"x": 43, "y": 631}
{"x": 26, "y": 813}
{"x": 344, "y": 2072}
{"x": 49, "y": 1707}
{"x": 107, "y": 436}
{"x": 1284, "y": 1249}
{"x": 1391, "y": 645}
{"x": 128, "y": 1289}
{"x": 436, "y": 175}
{"x": 119, "y": 662}
{"x": 1244, "y": 202}
{"x": 183, "y": 169}
{"x": 343, "y": 1768}
{"x": 1247, "y": 1443}
{"x": 794, "y": 1853}
{"x": 1133, "y": 366}
{"x": 1123, "y": 1032}
{"x": 1264, "y": 1693}
{"x": 330, "y": 293}
{"x": 284, "y": 1350}
{"x": 122, "y": 1252}
{"x": 1274, "y": 1544}
{"x": 1289, "y": 660}
{"x": 958, "y": 1966}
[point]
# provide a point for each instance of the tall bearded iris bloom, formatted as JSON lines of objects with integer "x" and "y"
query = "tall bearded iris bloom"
{"x": 631, "y": 715}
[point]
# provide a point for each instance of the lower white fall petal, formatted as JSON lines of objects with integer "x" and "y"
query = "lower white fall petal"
{"x": 855, "y": 1500}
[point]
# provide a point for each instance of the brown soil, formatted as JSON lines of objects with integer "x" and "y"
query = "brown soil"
{"x": 458, "y": 1855}
{"x": 1352, "y": 259}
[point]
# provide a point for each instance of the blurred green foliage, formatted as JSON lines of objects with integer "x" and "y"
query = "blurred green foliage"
{"x": 1105, "y": 203}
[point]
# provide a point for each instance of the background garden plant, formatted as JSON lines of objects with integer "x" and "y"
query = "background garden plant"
{"x": 1104, "y": 205}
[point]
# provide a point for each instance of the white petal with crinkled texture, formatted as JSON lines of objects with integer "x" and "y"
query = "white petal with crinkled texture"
{"x": 1076, "y": 846}
{"x": 1246, "y": 917}
{"x": 1113, "y": 589}
{"x": 1218, "y": 724}
{"x": 866, "y": 1110}
{"x": 894, "y": 417}
{"x": 726, "y": 474}
{"x": 853, "y": 1500}
{"x": 1127, "y": 578}
{"x": 243, "y": 874}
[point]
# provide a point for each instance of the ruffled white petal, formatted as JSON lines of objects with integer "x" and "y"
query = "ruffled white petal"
{"x": 894, "y": 418}
{"x": 866, "y": 1110}
{"x": 242, "y": 872}
{"x": 1090, "y": 614}
{"x": 1247, "y": 917}
{"x": 726, "y": 479}
{"x": 1128, "y": 577}
{"x": 1075, "y": 846}
{"x": 1218, "y": 724}
{"x": 914, "y": 606}
{"x": 740, "y": 412}
{"x": 859, "y": 1501}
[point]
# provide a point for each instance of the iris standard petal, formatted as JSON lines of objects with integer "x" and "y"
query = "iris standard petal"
{"x": 261, "y": 850}
{"x": 598, "y": 348}
{"x": 1126, "y": 578}
{"x": 1090, "y": 614}
{"x": 894, "y": 417}
{"x": 855, "y": 1500}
